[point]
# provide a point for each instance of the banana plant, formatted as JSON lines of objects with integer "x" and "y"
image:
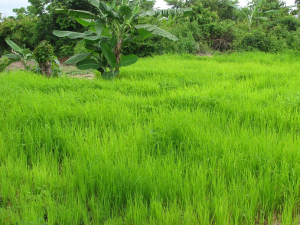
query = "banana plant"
{"x": 109, "y": 31}
{"x": 253, "y": 14}
{"x": 18, "y": 54}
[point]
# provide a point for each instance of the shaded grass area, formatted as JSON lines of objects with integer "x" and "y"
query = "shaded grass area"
{"x": 177, "y": 140}
{"x": 71, "y": 70}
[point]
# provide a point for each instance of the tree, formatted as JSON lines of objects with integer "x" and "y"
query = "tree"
{"x": 19, "y": 29}
{"x": 147, "y": 4}
{"x": 254, "y": 11}
{"x": 21, "y": 11}
{"x": 48, "y": 20}
{"x": 273, "y": 9}
{"x": 110, "y": 30}
{"x": 176, "y": 4}
{"x": 297, "y": 2}
{"x": 220, "y": 7}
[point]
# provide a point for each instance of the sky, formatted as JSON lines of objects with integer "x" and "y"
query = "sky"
{"x": 6, "y": 6}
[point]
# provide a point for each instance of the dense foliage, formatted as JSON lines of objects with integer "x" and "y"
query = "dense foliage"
{"x": 44, "y": 52}
{"x": 265, "y": 25}
{"x": 110, "y": 30}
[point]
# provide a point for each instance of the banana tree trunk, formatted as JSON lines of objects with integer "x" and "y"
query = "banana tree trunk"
{"x": 117, "y": 52}
{"x": 46, "y": 69}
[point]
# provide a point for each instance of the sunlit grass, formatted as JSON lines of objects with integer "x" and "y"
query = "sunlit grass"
{"x": 177, "y": 140}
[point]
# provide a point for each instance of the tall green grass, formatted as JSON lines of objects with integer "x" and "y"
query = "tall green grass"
{"x": 177, "y": 140}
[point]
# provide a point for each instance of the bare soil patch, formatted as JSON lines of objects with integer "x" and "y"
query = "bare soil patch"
{"x": 205, "y": 54}
{"x": 18, "y": 65}
{"x": 70, "y": 71}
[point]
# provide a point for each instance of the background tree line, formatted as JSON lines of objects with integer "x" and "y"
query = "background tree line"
{"x": 265, "y": 25}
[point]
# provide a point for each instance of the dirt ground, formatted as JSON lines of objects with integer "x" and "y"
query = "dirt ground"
{"x": 70, "y": 71}
{"x": 17, "y": 65}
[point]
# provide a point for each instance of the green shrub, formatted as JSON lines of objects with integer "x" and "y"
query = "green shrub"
{"x": 4, "y": 62}
{"x": 186, "y": 44}
{"x": 294, "y": 40}
{"x": 290, "y": 37}
{"x": 66, "y": 51}
{"x": 274, "y": 44}
{"x": 48, "y": 63}
{"x": 289, "y": 23}
{"x": 44, "y": 52}
{"x": 221, "y": 35}
{"x": 153, "y": 45}
{"x": 190, "y": 35}
{"x": 148, "y": 47}
{"x": 80, "y": 48}
{"x": 202, "y": 15}
{"x": 260, "y": 40}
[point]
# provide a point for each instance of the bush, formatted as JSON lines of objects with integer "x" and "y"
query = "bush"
{"x": 222, "y": 35}
{"x": 48, "y": 63}
{"x": 4, "y": 62}
{"x": 186, "y": 44}
{"x": 44, "y": 52}
{"x": 289, "y": 23}
{"x": 293, "y": 40}
{"x": 190, "y": 35}
{"x": 258, "y": 39}
{"x": 80, "y": 48}
{"x": 66, "y": 51}
{"x": 202, "y": 15}
{"x": 153, "y": 45}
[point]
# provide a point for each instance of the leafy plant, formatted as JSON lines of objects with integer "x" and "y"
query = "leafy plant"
{"x": 109, "y": 32}
{"x": 80, "y": 48}
{"x": 4, "y": 62}
{"x": 56, "y": 70}
{"x": 44, "y": 52}
{"x": 255, "y": 10}
{"x": 44, "y": 55}
{"x": 19, "y": 54}
{"x": 20, "y": 30}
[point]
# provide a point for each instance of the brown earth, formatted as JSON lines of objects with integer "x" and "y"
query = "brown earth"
{"x": 17, "y": 65}
{"x": 70, "y": 71}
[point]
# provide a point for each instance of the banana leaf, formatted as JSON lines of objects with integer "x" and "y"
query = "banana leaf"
{"x": 127, "y": 60}
{"x": 157, "y": 31}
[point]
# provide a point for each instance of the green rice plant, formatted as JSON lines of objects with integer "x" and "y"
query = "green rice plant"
{"x": 180, "y": 139}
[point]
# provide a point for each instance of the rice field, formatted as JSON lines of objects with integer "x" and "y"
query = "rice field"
{"x": 177, "y": 140}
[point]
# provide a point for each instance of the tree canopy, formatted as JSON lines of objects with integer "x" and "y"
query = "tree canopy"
{"x": 213, "y": 24}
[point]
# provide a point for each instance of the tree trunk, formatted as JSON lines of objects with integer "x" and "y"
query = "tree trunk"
{"x": 46, "y": 69}
{"x": 117, "y": 52}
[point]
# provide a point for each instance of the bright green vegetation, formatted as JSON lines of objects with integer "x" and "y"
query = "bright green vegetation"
{"x": 177, "y": 140}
